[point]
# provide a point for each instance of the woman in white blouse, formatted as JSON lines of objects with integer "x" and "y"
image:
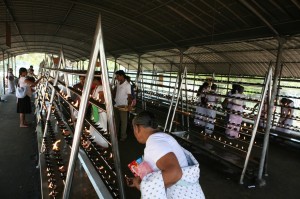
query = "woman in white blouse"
{"x": 99, "y": 96}
{"x": 24, "y": 104}
{"x": 235, "y": 118}
{"x": 171, "y": 165}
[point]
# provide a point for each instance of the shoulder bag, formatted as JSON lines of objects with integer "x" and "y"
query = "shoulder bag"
{"x": 21, "y": 92}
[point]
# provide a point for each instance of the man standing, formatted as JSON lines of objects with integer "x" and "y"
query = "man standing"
{"x": 80, "y": 84}
{"x": 122, "y": 96}
{"x": 10, "y": 80}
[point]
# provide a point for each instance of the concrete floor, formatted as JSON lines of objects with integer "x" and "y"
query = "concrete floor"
{"x": 19, "y": 177}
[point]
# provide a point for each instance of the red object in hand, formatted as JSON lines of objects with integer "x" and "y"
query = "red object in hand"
{"x": 140, "y": 168}
{"x": 133, "y": 167}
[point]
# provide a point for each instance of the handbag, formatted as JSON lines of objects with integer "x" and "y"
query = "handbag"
{"x": 21, "y": 92}
{"x": 95, "y": 113}
{"x": 188, "y": 187}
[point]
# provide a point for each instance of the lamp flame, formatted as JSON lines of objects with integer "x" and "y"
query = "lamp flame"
{"x": 55, "y": 146}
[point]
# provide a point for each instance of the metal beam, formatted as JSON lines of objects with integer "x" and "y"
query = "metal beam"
{"x": 102, "y": 9}
{"x": 65, "y": 19}
{"x": 232, "y": 12}
{"x": 79, "y": 28}
{"x": 256, "y": 13}
{"x": 261, "y": 8}
{"x": 206, "y": 13}
{"x": 43, "y": 50}
{"x": 281, "y": 43}
{"x": 190, "y": 19}
{"x": 14, "y": 20}
{"x": 69, "y": 47}
{"x": 296, "y": 3}
{"x": 74, "y": 54}
{"x": 280, "y": 8}
{"x": 3, "y": 73}
{"x": 149, "y": 17}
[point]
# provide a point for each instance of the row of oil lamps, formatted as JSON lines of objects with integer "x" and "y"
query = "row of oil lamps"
{"x": 196, "y": 103}
{"x": 101, "y": 158}
{"x": 54, "y": 161}
{"x": 243, "y": 114}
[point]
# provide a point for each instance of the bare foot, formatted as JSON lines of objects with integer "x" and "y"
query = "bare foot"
{"x": 23, "y": 126}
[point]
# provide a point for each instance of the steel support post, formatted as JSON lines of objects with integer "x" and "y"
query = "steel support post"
{"x": 171, "y": 103}
{"x": 97, "y": 48}
{"x": 229, "y": 72}
{"x": 137, "y": 78}
{"x": 170, "y": 78}
{"x": 277, "y": 92}
{"x": 15, "y": 66}
{"x": 144, "y": 106}
{"x": 111, "y": 118}
{"x": 49, "y": 108}
{"x": 81, "y": 115}
{"x": 113, "y": 75}
{"x": 153, "y": 73}
{"x": 267, "y": 81}
{"x": 179, "y": 90}
{"x": 8, "y": 61}
{"x": 181, "y": 80}
{"x": 3, "y": 72}
{"x": 281, "y": 42}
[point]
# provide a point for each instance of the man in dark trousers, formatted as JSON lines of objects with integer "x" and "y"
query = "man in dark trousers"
{"x": 123, "y": 100}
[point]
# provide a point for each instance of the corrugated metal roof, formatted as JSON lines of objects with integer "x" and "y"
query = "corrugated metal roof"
{"x": 245, "y": 57}
{"x": 210, "y": 33}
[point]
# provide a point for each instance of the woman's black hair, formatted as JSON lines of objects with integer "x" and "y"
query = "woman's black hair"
{"x": 32, "y": 79}
{"x": 286, "y": 100}
{"x": 235, "y": 88}
{"x": 146, "y": 119}
{"x": 214, "y": 87}
{"x": 240, "y": 89}
{"x": 22, "y": 70}
{"x": 97, "y": 78}
{"x": 121, "y": 73}
{"x": 202, "y": 87}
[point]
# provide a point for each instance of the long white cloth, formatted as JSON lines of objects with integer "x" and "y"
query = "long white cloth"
{"x": 200, "y": 115}
{"x": 11, "y": 82}
{"x": 211, "y": 114}
{"x": 235, "y": 120}
{"x": 188, "y": 187}
{"x": 102, "y": 114}
{"x": 283, "y": 121}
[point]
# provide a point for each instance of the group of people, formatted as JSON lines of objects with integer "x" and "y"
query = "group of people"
{"x": 123, "y": 96}
{"x": 175, "y": 172}
{"x": 12, "y": 80}
{"x": 234, "y": 105}
{"x": 205, "y": 114}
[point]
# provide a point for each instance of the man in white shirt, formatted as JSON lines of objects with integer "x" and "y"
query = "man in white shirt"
{"x": 122, "y": 97}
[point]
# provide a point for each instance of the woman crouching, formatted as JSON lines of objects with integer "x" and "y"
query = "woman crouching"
{"x": 175, "y": 171}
